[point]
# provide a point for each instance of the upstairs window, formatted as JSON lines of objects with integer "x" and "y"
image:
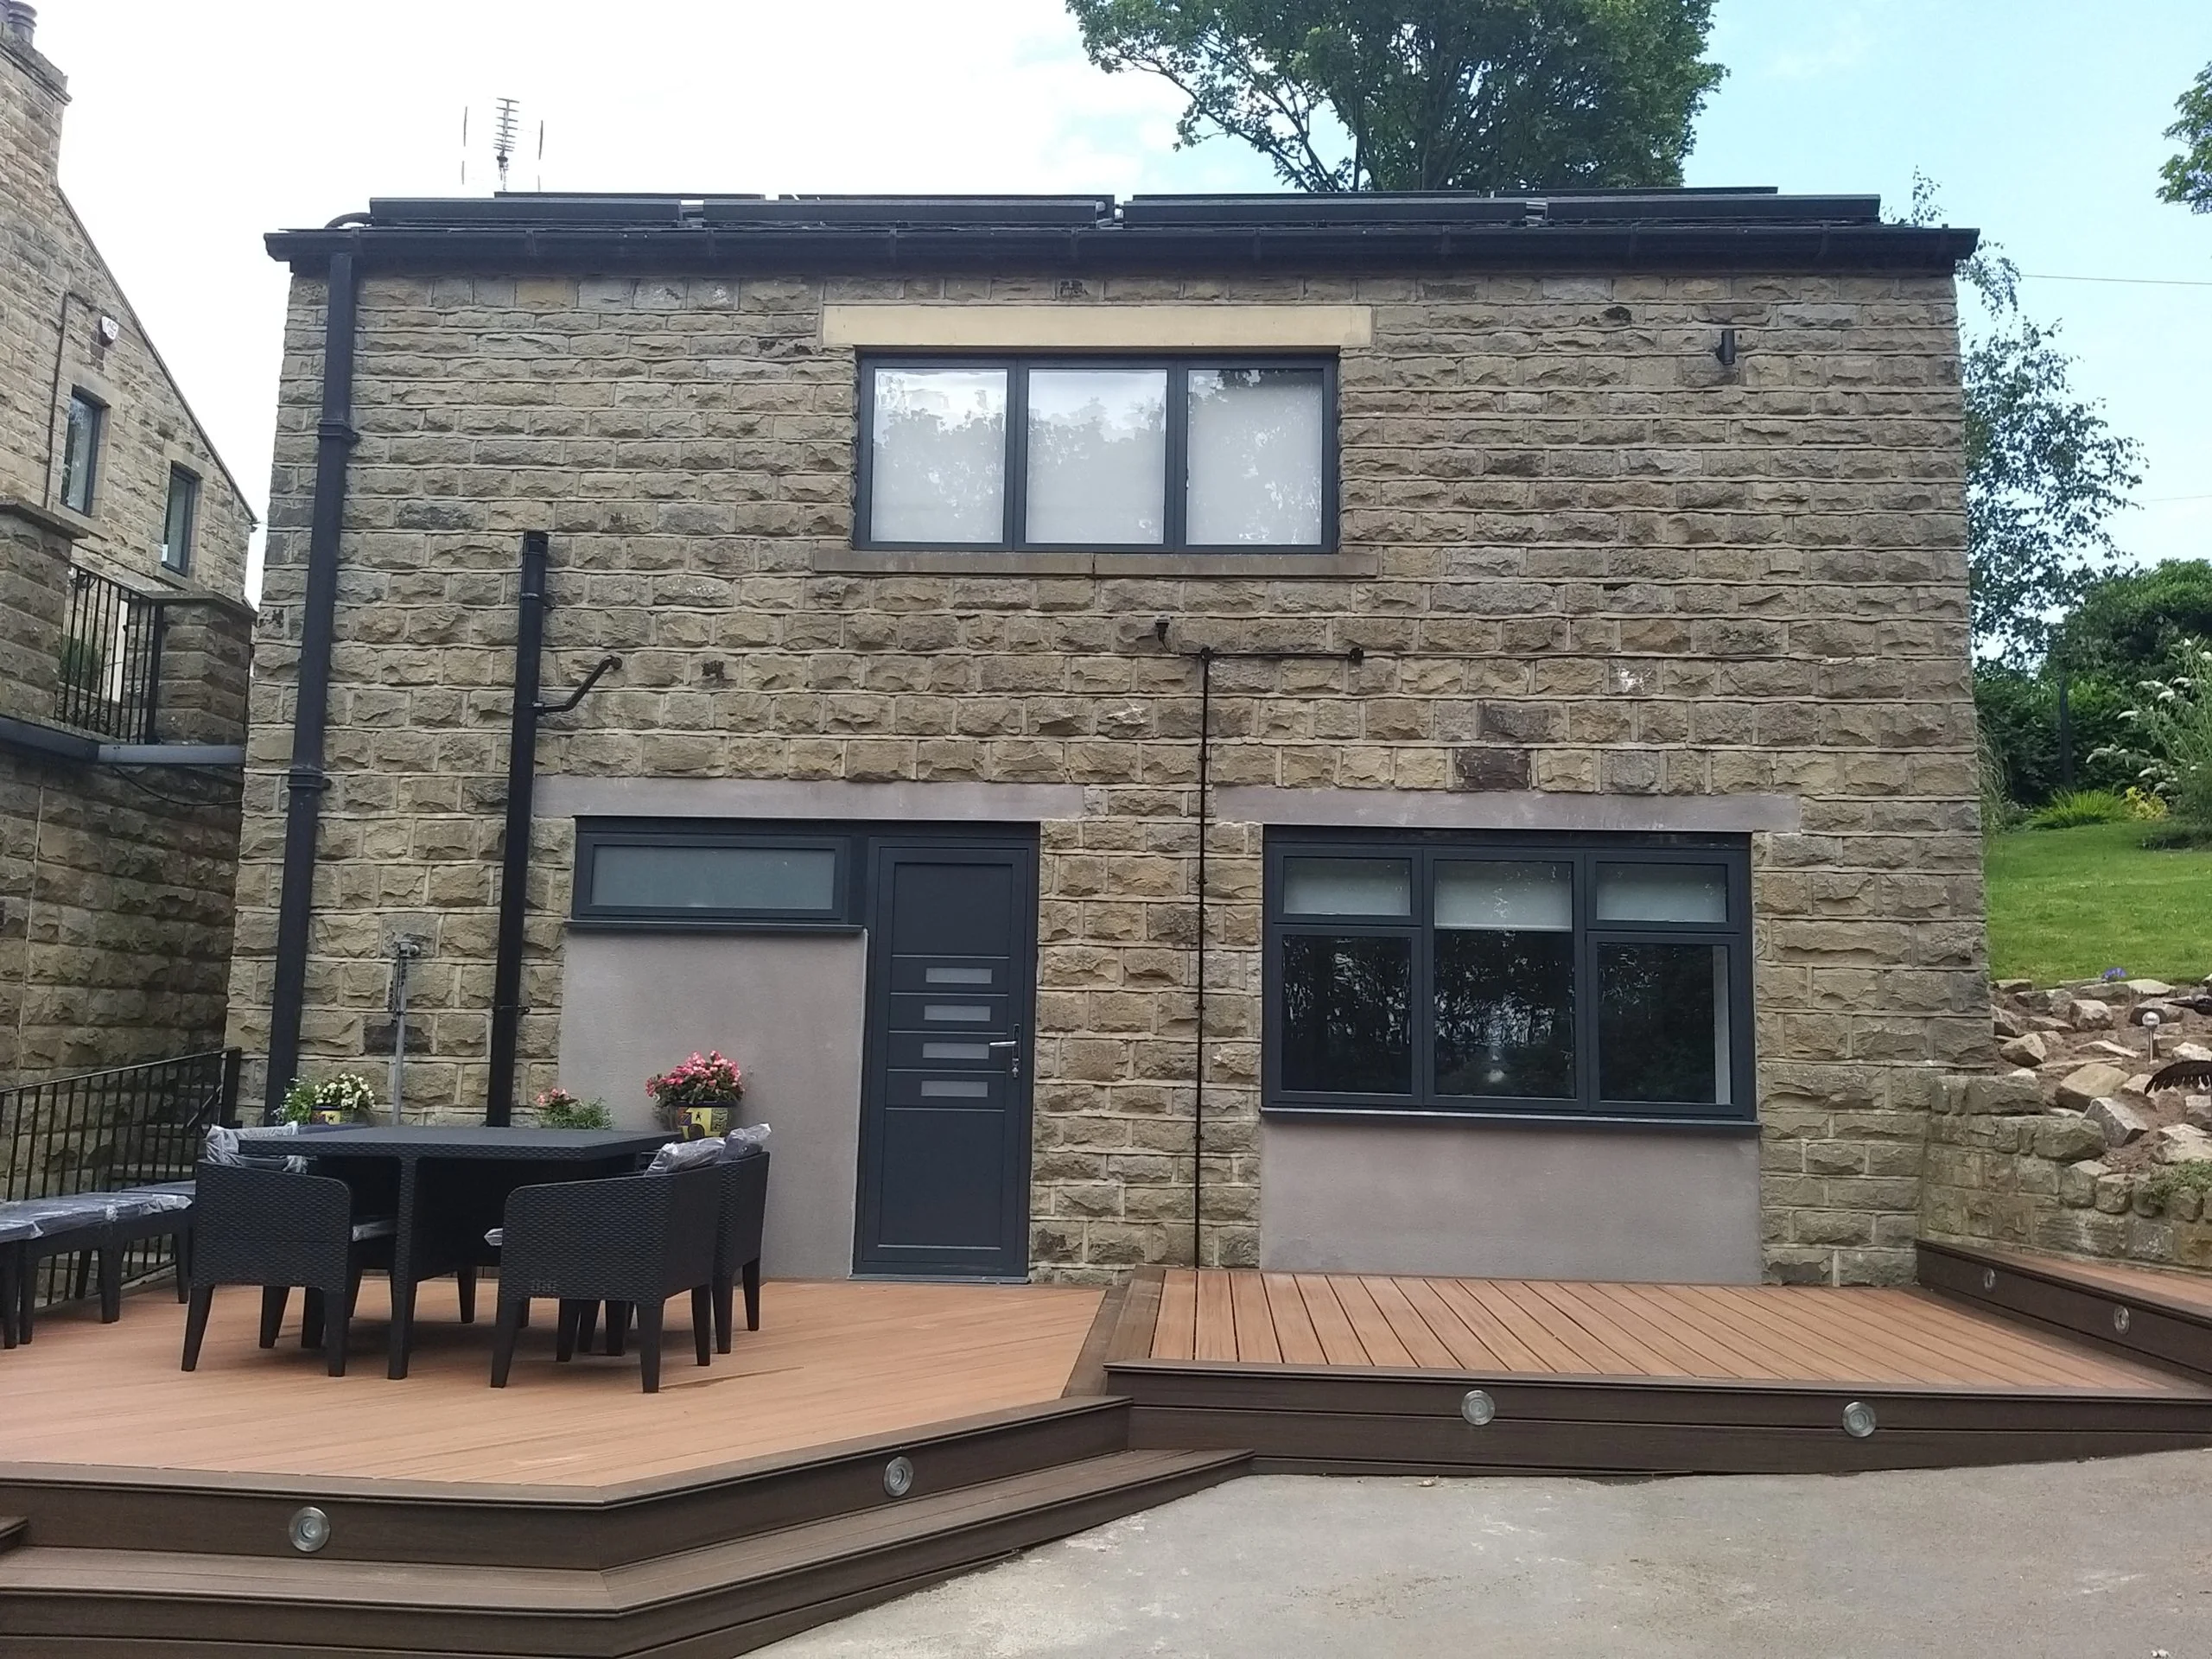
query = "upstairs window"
{"x": 180, "y": 520}
{"x": 1481, "y": 975}
{"x": 80, "y": 451}
{"x": 1098, "y": 454}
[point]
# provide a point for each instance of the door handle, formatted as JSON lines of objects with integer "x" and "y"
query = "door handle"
{"x": 1011, "y": 1047}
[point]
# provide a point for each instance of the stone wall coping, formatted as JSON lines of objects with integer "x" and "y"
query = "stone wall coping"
{"x": 1433, "y": 809}
{"x": 66, "y": 524}
{"x": 560, "y": 797}
{"x": 1154, "y": 327}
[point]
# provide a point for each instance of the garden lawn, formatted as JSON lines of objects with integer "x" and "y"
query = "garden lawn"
{"x": 2068, "y": 904}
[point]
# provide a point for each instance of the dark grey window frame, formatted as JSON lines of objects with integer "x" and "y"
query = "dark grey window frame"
{"x": 82, "y": 495}
{"x": 175, "y": 558}
{"x": 842, "y": 916}
{"x": 1585, "y": 851}
{"x": 1016, "y": 365}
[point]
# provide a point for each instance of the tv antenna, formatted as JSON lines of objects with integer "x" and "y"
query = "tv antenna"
{"x": 503, "y": 138}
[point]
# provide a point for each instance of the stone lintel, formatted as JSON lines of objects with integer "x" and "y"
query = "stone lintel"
{"x": 1429, "y": 809}
{"x": 562, "y": 797}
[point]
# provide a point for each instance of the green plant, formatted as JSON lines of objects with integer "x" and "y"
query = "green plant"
{"x": 2170, "y": 733}
{"x": 2079, "y": 806}
{"x": 2194, "y": 1176}
{"x": 345, "y": 1093}
{"x": 2143, "y": 805}
{"x": 556, "y": 1108}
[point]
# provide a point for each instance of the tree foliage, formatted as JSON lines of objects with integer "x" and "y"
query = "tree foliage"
{"x": 2128, "y": 625}
{"x": 2187, "y": 178}
{"x": 2045, "y": 472}
{"x": 1494, "y": 95}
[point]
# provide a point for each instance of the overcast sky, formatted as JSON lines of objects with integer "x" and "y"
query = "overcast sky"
{"x": 198, "y": 126}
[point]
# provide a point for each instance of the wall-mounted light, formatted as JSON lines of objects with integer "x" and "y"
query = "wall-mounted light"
{"x": 1724, "y": 353}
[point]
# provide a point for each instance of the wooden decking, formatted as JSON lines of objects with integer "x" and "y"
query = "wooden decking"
{"x": 1719, "y": 1333}
{"x": 832, "y": 1362}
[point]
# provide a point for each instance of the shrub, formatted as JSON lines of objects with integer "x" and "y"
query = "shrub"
{"x": 2080, "y": 806}
{"x": 556, "y": 1108}
{"x": 2143, "y": 805}
{"x": 2193, "y": 1176}
{"x": 2168, "y": 740}
{"x": 2018, "y": 713}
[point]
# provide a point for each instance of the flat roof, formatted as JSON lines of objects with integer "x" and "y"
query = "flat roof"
{"x": 1728, "y": 229}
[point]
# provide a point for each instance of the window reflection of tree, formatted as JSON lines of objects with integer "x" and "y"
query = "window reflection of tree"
{"x": 1276, "y": 478}
{"x": 1505, "y": 1012}
{"x": 1656, "y": 1023}
{"x": 1108, "y": 458}
{"x": 1346, "y": 1014}
{"x": 940, "y": 457}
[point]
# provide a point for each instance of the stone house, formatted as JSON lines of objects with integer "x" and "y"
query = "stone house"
{"x": 125, "y": 643}
{"x": 1422, "y": 735}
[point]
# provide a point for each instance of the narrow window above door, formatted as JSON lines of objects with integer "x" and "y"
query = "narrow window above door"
{"x": 1101, "y": 454}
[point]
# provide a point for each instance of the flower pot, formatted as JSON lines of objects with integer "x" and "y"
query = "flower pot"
{"x": 714, "y": 1119}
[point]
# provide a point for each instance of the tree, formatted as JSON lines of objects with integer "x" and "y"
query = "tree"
{"x": 2188, "y": 177}
{"x": 2044, "y": 469}
{"x": 2128, "y": 626}
{"x": 1494, "y": 95}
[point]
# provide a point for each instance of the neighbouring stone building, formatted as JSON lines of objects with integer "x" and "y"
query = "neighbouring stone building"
{"x": 1553, "y": 610}
{"x": 125, "y": 644}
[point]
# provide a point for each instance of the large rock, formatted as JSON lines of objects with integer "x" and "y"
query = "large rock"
{"x": 2144, "y": 988}
{"x": 2198, "y": 1110}
{"x": 2121, "y": 1122}
{"x": 2011, "y": 1094}
{"x": 2027, "y": 1048}
{"x": 2184, "y": 1143}
{"x": 2015, "y": 987}
{"x": 2089, "y": 1015}
{"x": 2087, "y": 1084}
{"x": 2191, "y": 1051}
{"x": 2005, "y": 1023}
{"x": 2064, "y": 1137}
{"x": 2077, "y": 1183}
{"x": 2169, "y": 1015}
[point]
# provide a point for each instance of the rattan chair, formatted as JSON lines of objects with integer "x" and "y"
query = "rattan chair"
{"x": 737, "y": 1248}
{"x": 273, "y": 1228}
{"x": 632, "y": 1240}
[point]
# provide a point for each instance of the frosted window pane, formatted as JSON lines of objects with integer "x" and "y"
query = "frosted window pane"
{"x": 1346, "y": 887}
{"x": 1501, "y": 895}
{"x": 939, "y": 466}
{"x": 1663, "y": 892}
{"x": 1097, "y": 455}
{"x": 715, "y": 878}
{"x": 1256, "y": 457}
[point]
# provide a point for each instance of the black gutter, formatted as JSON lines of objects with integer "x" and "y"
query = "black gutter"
{"x": 306, "y": 780}
{"x": 1854, "y": 246}
{"x": 514, "y": 853}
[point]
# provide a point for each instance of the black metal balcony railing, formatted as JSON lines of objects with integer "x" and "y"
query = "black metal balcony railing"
{"x": 101, "y": 1130}
{"x": 111, "y": 659}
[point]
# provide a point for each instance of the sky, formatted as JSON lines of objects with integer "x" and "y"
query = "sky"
{"x": 196, "y": 127}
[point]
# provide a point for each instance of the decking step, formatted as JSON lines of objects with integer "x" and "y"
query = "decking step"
{"x": 2160, "y": 1315}
{"x": 729, "y": 1596}
{"x": 12, "y": 1529}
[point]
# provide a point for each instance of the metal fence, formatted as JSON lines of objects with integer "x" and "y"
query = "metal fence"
{"x": 101, "y": 1130}
{"x": 111, "y": 659}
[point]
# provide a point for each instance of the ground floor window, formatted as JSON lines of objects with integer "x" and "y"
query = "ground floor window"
{"x": 1587, "y": 976}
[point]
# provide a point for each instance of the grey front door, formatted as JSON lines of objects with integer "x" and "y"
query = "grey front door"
{"x": 945, "y": 1106}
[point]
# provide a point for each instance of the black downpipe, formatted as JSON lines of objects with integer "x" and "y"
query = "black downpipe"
{"x": 1206, "y": 657}
{"x": 514, "y": 854}
{"x": 305, "y": 781}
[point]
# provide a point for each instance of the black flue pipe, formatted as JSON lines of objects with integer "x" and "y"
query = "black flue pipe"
{"x": 305, "y": 781}
{"x": 514, "y": 853}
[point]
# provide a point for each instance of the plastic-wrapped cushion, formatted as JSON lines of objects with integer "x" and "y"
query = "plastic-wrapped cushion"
{"x": 223, "y": 1146}
{"x": 686, "y": 1155}
{"x": 496, "y": 1238}
{"x": 743, "y": 1143}
{"x": 29, "y": 1218}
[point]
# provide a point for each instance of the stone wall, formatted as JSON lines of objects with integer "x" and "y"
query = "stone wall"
{"x": 1586, "y": 563}
{"x": 115, "y": 886}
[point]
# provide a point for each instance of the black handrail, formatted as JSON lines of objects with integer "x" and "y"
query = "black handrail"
{"x": 111, "y": 659}
{"x": 98, "y": 1131}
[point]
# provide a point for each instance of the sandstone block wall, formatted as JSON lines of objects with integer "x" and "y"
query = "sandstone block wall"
{"x": 1599, "y": 565}
{"x": 115, "y": 888}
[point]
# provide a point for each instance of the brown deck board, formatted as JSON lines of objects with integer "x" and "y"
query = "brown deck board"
{"x": 1340, "y": 1344}
{"x": 1293, "y": 1327}
{"x": 1754, "y": 1335}
{"x": 1216, "y": 1331}
{"x": 1256, "y": 1325}
{"x": 831, "y": 1362}
{"x": 1176, "y": 1336}
{"x": 2178, "y": 1286}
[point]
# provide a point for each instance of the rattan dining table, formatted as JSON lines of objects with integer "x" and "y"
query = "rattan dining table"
{"x": 446, "y": 1185}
